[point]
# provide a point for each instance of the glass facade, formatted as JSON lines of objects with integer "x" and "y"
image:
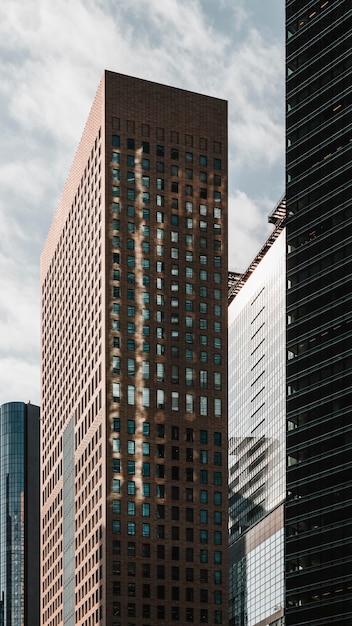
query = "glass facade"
{"x": 319, "y": 332}
{"x": 257, "y": 439}
{"x": 19, "y": 428}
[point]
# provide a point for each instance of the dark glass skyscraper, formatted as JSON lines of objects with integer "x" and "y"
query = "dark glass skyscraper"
{"x": 319, "y": 303}
{"x": 19, "y": 515}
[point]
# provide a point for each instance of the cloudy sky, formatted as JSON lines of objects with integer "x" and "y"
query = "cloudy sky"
{"x": 52, "y": 55}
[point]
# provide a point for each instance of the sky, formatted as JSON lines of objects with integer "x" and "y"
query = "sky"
{"x": 52, "y": 57}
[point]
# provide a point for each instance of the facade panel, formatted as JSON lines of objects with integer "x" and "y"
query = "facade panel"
{"x": 257, "y": 435}
{"x": 319, "y": 334}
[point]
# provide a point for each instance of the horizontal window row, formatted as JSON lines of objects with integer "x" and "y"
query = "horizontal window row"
{"x": 203, "y": 259}
{"x": 161, "y": 490}
{"x": 159, "y": 198}
{"x": 161, "y": 350}
{"x": 174, "y": 153}
{"x": 187, "y": 434}
{"x": 160, "y": 215}
{"x": 188, "y": 400}
{"x": 144, "y": 180}
{"x": 203, "y": 476}
{"x": 159, "y": 451}
{"x": 190, "y": 373}
{"x": 174, "y": 613}
{"x": 160, "y": 248}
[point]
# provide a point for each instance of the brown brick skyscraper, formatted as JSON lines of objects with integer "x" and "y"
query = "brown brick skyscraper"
{"x": 134, "y": 366}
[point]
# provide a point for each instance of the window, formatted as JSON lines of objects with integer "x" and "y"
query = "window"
{"x": 189, "y": 474}
{"x": 131, "y": 528}
{"x": 131, "y": 508}
{"x": 146, "y": 530}
{"x": 116, "y": 424}
{"x": 189, "y": 454}
{"x": 189, "y": 403}
{"x": 202, "y": 160}
{"x": 217, "y": 478}
{"x": 131, "y": 467}
{"x": 175, "y": 400}
{"x": 217, "y": 517}
{"x": 131, "y": 487}
{"x": 145, "y": 469}
{"x": 146, "y": 448}
{"x": 189, "y": 514}
{"x": 217, "y": 407}
{"x": 174, "y": 154}
{"x": 203, "y": 496}
{"x": 115, "y": 140}
{"x": 217, "y": 458}
{"x": 217, "y": 381}
{"x": 145, "y": 164}
{"x": 203, "y": 475}
{"x": 131, "y": 394}
{"x": 116, "y": 392}
{"x": 189, "y": 556}
{"x": 116, "y": 485}
{"x": 203, "y": 557}
{"x": 189, "y": 376}
{"x": 189, "y": 157}
{"x": 145, "y": 509}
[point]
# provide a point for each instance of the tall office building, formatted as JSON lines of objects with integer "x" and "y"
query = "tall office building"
{"x": 257, "y": 428}
{"x": 319, "y": 302}
{"x": 134, "y": 366}
{"x": 19, "y": 515}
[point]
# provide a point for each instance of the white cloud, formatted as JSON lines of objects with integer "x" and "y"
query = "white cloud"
{"x": 53, "y": 55}
{"x": 248, "y": 228}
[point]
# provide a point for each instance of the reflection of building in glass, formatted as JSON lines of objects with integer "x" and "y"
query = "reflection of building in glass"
{"x": 319, "y": 304}
{"x": 134, "y": 365}
{"x": 257, "y": 434}
{"x": 19, "y": 515}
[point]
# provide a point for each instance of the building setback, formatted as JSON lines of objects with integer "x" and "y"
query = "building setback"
{"x": 257, "y": 429}
{"x": 319, "y": 304}
{"x": 134, "y": 366}
{"x": 19, "y": 515}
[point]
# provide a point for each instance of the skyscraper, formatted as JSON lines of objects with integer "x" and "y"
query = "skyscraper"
{"x": 134, "y": 367}
{"x": 19, "y": 515}
{"x": 257, "y": 428}
{"x": 319, "y": 334}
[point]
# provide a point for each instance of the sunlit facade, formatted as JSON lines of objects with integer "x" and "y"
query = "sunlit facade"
{"x": 257, "y": 434}
{"x": 134, "y": 366}
{"x": 19, "y": 515}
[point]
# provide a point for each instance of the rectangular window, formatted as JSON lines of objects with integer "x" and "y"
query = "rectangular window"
{"x": 189, "y": 403}
{"x": 116, "y": 392}
{"x": 146, "y": 396}
{"x": 203, "y": 405}
{"x": 175, "y": 400}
